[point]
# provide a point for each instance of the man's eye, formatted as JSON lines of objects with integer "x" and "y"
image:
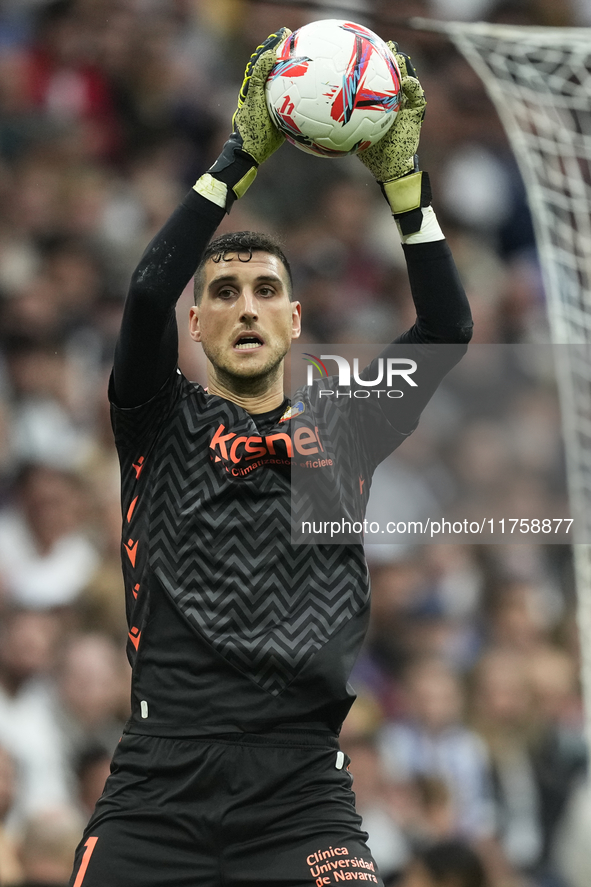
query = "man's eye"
{"x": 266, "y": 291}
{"x": 225, "y": 293}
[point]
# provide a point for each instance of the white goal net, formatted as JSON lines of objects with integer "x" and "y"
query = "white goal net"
{"x": 540, "y": 82}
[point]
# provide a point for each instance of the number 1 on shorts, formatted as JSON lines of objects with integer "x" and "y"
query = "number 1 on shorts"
{"x": 89, "y": 845}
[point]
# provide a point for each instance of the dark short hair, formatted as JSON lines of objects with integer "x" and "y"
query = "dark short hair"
{"x": 455, "y": 859}
{"x": 245, "y": 242}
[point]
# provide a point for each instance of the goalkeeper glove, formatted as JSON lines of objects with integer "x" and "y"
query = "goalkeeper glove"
{"x": 393, "y": 161}
{"x": 255, "y": 136}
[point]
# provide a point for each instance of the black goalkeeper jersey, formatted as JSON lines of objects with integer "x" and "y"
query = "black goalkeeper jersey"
{"x": 232, "y": 627}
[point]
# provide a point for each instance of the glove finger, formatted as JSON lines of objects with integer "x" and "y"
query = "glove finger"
{"x": 414, "y": 95}
{"x": 271, "y": 43}
{"x": 255, "y": 96}
{"x": 404, "y": 63}
{"x": 259, "y": 133}
{"x": 262, "y": 69}
{"x": 406, "y": 132}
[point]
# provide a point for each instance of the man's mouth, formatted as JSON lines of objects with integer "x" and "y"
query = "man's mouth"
{"x": 248, "y": 341}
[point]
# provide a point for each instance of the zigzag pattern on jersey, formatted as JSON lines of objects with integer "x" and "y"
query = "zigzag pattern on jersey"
{"x": 135, "y": 432}
{"x": 221, "y": 547}
{"x": 134, "y": 550}
{"x": 270, "y": 632}
{"x": 339, "y": 492}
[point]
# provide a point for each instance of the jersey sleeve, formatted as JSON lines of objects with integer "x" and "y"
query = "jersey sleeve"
{"x": 433, "y": 346}
{"x": 137, "y": 427}
{"x": 384, "y": 423}
{"x": 441, "y": 304}
{"x": 146, "y": 353}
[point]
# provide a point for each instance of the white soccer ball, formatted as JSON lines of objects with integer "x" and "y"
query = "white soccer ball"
{"x": 335, "y": 88}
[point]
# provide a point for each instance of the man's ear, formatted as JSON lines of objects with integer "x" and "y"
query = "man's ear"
{"x": 194, "y": 328}
{"x": 296, "y": 320}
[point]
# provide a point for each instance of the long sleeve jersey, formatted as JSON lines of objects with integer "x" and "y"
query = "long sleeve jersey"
{"x": 233, "y": 627}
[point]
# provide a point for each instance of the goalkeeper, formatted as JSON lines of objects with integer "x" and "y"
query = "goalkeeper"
{"x": 229, "y": 771}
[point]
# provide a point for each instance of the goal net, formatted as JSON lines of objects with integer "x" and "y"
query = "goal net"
{"x": 539, "y": 80}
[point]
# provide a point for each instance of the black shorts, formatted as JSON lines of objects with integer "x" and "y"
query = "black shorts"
{"x": 232, "y": 811}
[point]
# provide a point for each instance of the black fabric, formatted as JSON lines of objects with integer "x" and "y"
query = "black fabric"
{"x": 233, "y": 629}
{"x": 232, "y": 164}
{"x": 271, "y": 811}
{"x": 208, "y": 508}
{"x": 207, "y": 517}
{"x": 191, "y": 688}
{"x": 443, "y": 312}
{"x": 210, "y": 496}
{"x": 147, "y": 349}
{"x": 266, "y": 421}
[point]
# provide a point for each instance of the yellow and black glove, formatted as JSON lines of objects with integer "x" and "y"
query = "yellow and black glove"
{"x": 255, "y": 136}
{"x": 393, "y": 161}
{"x": 251, "y": 120}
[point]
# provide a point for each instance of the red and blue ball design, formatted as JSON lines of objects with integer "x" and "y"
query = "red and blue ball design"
{"x": 335, "y": 88}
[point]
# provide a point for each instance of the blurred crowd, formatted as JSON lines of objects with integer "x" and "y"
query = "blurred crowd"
{"x": 467, "y": 737}
{"x": 488, "y": 450}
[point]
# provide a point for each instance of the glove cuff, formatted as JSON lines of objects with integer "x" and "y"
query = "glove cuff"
{"x": 230, "y": 176}
{"x": 430, "y": 229}
{"x": 406, "y": 195}
{"x": 212, "y": 189}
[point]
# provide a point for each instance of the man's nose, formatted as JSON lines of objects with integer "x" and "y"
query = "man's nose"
{"x": 248, "y": 305}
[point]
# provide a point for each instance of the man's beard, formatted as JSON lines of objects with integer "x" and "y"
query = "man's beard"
{"x": 256, "y": 382}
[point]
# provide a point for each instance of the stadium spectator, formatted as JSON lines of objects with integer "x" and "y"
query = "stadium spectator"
{"x": 447, "y": 864}
{"x": 558, "y": 752}
{"x": 28, "y": 641}
{"x": 435, "y": 813}
{"x": 91, "y": 697}
{"x": 504, "y": 716}
{"x": 47, "y": 847}
{"x": 64, "y": 83}
{"x": 432, "y": 741}
{"x": 92, "y": 768}
{"x": 375, "y": 800}
{"x": 522, "y": 613}
{"x": 45, "y": 557}
{"x": 43, "y": 390}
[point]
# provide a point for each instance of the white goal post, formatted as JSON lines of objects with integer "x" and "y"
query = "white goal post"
{"x": 539, "y": 80}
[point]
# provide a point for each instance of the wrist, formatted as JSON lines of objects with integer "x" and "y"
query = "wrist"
{"x": 428, "y": 232}
{"x": 407, "y": 196}
{"x": 230, "y": 176}
{"x": 212, "y": 189}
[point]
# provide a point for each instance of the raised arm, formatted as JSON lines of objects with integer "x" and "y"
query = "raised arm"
{"x": 443, "y": 326}
{"x": 443, "y": 313}
{"x": 147, "y": 348}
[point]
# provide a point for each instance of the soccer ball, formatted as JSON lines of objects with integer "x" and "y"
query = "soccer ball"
{"x": 335, "y": 88}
